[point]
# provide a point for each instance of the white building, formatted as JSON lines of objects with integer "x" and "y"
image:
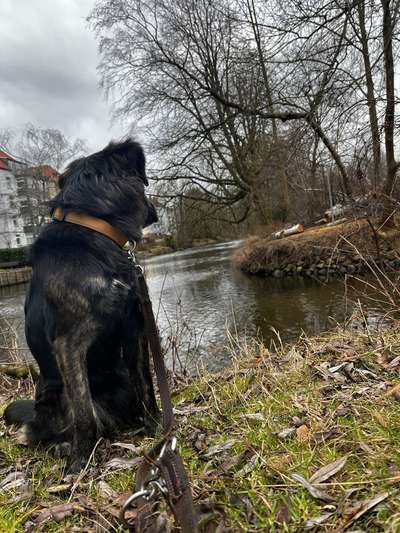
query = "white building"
{"x": 12, "y": 234}
{"x": 23, "y": 193}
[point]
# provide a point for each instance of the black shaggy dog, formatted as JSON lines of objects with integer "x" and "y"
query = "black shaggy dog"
{"x": 83, "y": 320}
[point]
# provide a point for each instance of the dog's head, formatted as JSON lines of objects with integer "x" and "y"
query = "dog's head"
{"x": 110, "y": 184}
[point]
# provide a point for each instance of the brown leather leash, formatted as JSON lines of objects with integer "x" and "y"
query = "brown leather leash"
{"x": 161, "y": 472}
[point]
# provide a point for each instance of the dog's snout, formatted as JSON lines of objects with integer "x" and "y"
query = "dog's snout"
{"x": 151, "y": 215}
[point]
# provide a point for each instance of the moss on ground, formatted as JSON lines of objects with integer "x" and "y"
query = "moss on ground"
{"x": 246, "y": 435}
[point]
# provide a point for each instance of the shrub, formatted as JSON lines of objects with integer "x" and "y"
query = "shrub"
{"x": 14, "y": 256}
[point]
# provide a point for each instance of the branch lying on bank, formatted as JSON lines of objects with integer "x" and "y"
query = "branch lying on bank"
{"x": 19, "y": 371}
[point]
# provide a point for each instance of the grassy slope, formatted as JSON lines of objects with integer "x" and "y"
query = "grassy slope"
{"x": 327, "y": 243}
{"x": 277, "y": 415}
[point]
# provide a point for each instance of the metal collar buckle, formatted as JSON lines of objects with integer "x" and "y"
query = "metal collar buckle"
{"x": 130, "y": 248}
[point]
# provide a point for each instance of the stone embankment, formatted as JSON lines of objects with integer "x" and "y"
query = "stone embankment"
{"x": 15, "y": 276}
{"x": 329, "y": 267}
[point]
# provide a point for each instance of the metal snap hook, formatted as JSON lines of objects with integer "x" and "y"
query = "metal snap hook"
{"x": 143, "y": 493}
{"x": 140, "y": 269}
{"x": 173, "y": 446}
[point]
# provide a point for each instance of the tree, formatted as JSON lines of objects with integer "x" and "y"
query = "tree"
{"x": 6, "y": 138}
{"x": 187, "y": 51}
{"x": 48, "y": 146}
{"x": 45, "y": 151}
{"x": 42, "y": 152}
{"x": 220, "y": 83}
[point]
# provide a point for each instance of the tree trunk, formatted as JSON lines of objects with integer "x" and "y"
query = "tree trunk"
{"x": 335, "y": 155}
{"x": 277, "y": 155}
{"x": 371, "y": 100}
{"x": 391, "y": 165}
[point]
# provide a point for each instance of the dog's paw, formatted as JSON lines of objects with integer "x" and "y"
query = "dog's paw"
{"x": 151, "y": 424}
{"x": 61, "y": 450}
{"x": 19, "y": 412}
{"x": 22, "y": 436}
{"x": 75, "y": 465}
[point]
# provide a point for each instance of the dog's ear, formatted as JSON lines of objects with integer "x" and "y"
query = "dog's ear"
{"x": 126, "y": 158}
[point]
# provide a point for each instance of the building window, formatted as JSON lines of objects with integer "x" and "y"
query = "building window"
{"x": 8, "y": 182}
{"x": 18, "y": 240}
{"x": 15, "y": 222}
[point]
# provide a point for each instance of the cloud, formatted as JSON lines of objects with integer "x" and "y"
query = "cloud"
{"x": 48, "y": 59}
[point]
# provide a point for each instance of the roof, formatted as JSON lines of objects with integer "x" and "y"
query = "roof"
{"x": 4, "y": 157}
{"x": 47, "y": 171}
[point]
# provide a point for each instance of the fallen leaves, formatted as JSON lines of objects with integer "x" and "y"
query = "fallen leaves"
{"x": 211, "y": 517}
{"x": 286, "y": 432}
{"x": 283, "y": 515}
{"x": 318, "y": 520}
{"x": 220, "y": 448}
{"x": 242, "y": 445}
{"x": 315, "y": 492}
{"x": 259, "y": 417}
{"x": 56, "y": 513}
{"x": 127, "y": 446}
{"x": 394, "y": 392}
{"x": 321, "y": 475}
{"x": 303, "y": 433}
{"x": 328, "y": 471}
{"x": 121, "y": 463}
{"x": 323, "y": 436}
{"x": 14, "y": 481}
{"x": 356, "y": 512}
{"x": 59, "y": 489}
{"x": 105, "y": 490}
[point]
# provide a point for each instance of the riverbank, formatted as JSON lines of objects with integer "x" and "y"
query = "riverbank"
{"x": 322, "y": 251}
{"x": 303, "y": 439}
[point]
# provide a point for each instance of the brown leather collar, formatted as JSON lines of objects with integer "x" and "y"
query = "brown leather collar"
{"x": 96, "y": 224}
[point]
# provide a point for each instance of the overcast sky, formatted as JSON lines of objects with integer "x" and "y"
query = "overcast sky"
{"x": 48, "y": 59}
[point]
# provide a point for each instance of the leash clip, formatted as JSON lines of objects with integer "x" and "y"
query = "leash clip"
{"x": 154, "y": 486}
{"x": 130, "y": 248}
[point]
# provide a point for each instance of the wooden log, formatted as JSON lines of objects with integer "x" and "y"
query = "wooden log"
{"x": 298, "y": 228}
{"x": 340, "y": 221}
{"x": 19, "y": 371}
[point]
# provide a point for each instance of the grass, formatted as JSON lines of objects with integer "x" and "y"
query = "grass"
{"x": 244, "y": 433}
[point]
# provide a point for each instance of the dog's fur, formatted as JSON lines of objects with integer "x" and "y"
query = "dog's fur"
{"x": 83, "y": 320}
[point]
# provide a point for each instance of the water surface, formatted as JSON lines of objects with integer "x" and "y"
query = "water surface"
{"x": 202, "y": 301}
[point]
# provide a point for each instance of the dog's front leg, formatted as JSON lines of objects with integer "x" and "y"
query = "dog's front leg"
{"x": 85, "y": 428}
{"x": 137, "y": 358}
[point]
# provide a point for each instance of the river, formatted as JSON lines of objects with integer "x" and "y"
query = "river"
{"x": 205, "y": 306}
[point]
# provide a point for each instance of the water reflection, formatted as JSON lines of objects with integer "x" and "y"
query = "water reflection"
{"x": 12, "y": 338}
{"x": 198, "y": 296}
